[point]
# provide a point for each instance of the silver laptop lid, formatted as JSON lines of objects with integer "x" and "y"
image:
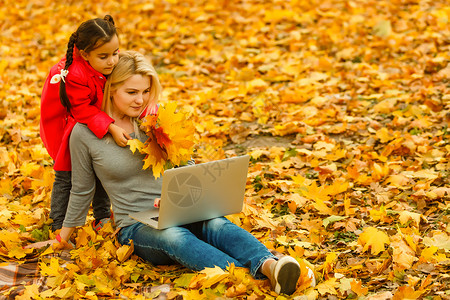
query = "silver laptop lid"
{"x": 203, "y": 191}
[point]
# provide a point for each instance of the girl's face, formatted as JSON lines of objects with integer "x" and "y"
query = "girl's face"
{"x": 104, "y": 58}
{"x": 131, "y": 97}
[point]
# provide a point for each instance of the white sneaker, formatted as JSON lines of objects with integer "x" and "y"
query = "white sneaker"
{"x": 285, "y": 274}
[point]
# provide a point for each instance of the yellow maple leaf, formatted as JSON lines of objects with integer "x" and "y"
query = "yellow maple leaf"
{"x": 30, "y": 292}
{"x": 330, "y": 261}
{"x": 52, "y": 269}
{"x": 378, "y": 215}
{"x": 328, "y": 287}
{"x": 319, "y": 195}
{"x": 374, "y": 239}
{"x": 31, "y": 169}
{"x": 405, "y": 216}
{"x": 82, "y": 238}
{"x": 179, "y": 131}
{"x": 407, "y": 293}
{"x": 19, "y": 252}
{"x": 124, "y": 252}
{"x": 429, "y": 254}
{"x": 213, "y": 275}
{"x": 9, "y": 238}
{"x": 135, "y": 144}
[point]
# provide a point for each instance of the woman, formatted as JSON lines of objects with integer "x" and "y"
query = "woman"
{"x": 132, "y": 86}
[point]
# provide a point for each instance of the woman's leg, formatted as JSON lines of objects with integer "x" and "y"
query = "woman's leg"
{"x": 175, "y": 244}
{"x": 60, "y": 198}
{"x": 237, "y": 243}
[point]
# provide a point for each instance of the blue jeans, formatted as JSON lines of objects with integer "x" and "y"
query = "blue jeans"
{"x": 215, "y": 242}
{"x": 60, "y": 199}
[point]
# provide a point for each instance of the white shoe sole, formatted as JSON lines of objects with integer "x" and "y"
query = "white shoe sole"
{"x": 286, "y": 273}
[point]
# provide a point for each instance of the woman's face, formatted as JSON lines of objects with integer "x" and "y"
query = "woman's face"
{"x": 132, "y": 96}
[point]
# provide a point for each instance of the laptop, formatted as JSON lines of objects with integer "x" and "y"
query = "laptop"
{"x": 199, "y": 192}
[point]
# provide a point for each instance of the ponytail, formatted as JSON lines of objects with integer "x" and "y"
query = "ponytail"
{"x": 86, "y": 38}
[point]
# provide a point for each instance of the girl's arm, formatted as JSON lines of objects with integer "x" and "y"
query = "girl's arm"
{"x": 83, "y": 110}
{"x": 119, "y": 135}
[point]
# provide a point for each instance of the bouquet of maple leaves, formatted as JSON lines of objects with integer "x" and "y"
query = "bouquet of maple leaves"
{"x": 170, "y": 139}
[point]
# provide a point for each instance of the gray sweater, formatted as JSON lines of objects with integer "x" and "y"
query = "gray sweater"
{"x": 129, "y": 187}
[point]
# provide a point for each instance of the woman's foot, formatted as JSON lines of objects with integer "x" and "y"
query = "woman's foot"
{"x": 284, "y": 275}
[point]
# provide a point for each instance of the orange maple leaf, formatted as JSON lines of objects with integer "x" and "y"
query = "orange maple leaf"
{"x": 156, "y": 157}
{"x": 357, "y": 288}
{"x": 162, "y": 138}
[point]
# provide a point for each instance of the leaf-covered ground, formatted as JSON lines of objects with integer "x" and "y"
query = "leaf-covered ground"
{"x": 343, "y": 106}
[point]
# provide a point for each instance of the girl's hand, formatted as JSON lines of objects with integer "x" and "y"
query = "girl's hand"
{"x": 156, "y": 203}
{"x": 119, "y": 135}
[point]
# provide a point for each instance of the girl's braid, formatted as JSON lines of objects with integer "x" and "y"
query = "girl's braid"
{"x": 69, "y": 53}
{"x": 69, "y": 59}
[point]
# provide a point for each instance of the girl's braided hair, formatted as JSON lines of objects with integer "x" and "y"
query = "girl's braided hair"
{"x": 90, "y": 35}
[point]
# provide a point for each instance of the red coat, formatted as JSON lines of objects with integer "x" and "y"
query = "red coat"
{"x": 84, "y": 87}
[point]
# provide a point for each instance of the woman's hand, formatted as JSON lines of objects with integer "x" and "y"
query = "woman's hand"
{"x": 41, "y": 244}
{"x": 119, "y": 135}
{"x": 59, "y": 243}
{"x": 156, "y": 203}
{"x": 54, "y": 243}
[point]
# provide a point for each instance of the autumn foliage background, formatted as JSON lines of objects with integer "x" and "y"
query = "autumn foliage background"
{"x": 342, "y": 105}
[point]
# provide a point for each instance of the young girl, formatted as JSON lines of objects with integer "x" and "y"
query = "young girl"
{"x": 73, "y": 92}
{"x": 215, "y": 242}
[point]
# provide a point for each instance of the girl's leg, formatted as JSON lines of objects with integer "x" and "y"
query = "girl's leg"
{"x": 175, "y": 244}
{"x": 237, "y": 243}
{"x": 101, "y": 205}
{"x": 60, "y": 198}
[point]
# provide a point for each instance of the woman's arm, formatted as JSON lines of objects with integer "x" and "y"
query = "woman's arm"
{"x": 66, "y": 232}
{"x": 83, "y": 187}
{"x": 83, "y": 176}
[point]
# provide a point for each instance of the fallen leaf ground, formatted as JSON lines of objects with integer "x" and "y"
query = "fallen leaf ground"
{"x": 342, "y": 105}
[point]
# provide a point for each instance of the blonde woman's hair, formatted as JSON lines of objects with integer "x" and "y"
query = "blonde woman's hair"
{"x": 131, "y": 63}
